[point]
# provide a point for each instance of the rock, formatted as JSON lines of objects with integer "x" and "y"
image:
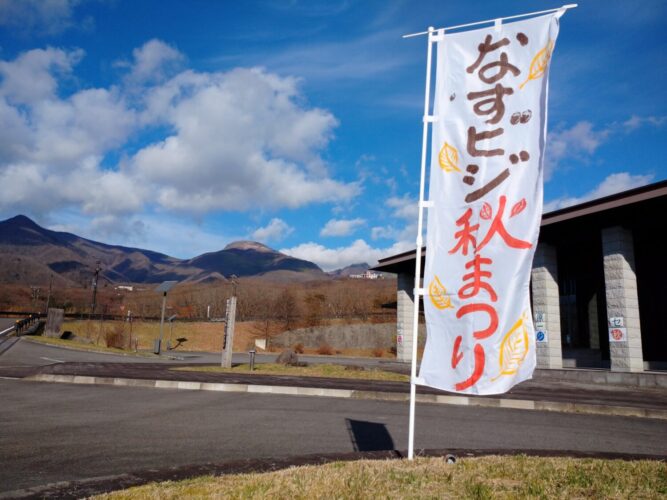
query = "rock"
{"x": 288, "y": 357}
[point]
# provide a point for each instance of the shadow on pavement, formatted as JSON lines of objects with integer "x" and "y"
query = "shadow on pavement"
{"x": 369, "y": 436}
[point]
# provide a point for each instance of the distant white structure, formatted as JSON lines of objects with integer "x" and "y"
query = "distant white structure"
{"x": 129, "y": 288}
{"x": 366, "y": 275}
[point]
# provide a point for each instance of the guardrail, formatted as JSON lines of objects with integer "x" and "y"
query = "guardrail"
{"x": 25, "y": 325}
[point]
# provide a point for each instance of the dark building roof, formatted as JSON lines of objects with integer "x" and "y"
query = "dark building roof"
{"x": 619, "y": 208}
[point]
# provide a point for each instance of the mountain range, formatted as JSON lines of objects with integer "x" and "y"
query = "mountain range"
{"x": 30, "y": 253}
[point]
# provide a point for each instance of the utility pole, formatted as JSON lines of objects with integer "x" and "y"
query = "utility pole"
{"x": 35, "y": 294}
{"x": 95, "y": 278}
{"x": 48, "y": 297}
{"x": 164, "y": 287}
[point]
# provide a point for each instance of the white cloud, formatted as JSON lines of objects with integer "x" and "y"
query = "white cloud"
{"x": 153, "y": 61}
{"x": 31, "y": 77}
{"x": 358, "y": 251}
{"x": 341, "y": 227}
{"x": 403, "y": 214}
{"x": 383, "y": 232}
{"x": 579, "y": 141}
{"x": 404, "y": 207}
{"x": 240, "y": 140}
{"x": 276, "y": 230}
{"x": 340, "y": 60}
{"x": 42, "y": 16}
{"x": 615, "y": 183}
{"x": 635, "y": 121}
{"x": 582, "y": 140}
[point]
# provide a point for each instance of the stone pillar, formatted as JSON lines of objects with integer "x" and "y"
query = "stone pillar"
{"x": 404, "y": 316}
{"x": 546, "y": 306}
{"x": 621, "y": 291}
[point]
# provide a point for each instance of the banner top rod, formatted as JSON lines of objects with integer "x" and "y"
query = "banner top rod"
{"x": 564, "y": 7}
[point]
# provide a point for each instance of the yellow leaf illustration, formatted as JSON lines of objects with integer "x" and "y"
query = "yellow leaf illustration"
{"x": 438, "y": 294}
{"x": 514, "y": 348}
{"x": 539, "y": 63}
{"x": 449, "y": 158}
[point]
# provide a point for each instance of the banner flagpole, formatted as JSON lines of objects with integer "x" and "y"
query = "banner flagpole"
{"x": 416, "y": 293}
{"x": 501, "y": 19}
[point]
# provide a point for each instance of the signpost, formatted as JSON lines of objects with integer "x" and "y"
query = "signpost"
{"x": 164, "y": 287}
{"x": 228, "y": 338}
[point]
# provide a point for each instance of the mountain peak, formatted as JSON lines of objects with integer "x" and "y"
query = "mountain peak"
{"x": 21, "y": 221}
{"x": 248, "y": 245}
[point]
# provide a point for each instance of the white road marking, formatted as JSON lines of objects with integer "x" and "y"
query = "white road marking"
{"x": 11, "y": 328}
{"x": 51, "y": 359}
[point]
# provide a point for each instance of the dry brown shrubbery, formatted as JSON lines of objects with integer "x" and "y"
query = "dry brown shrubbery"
{"x": 325, "y": 349}
{"x": 272, "y": 307}
{"x": 116, "y": 337}
{"x": 298, "y": 348}
{"x": 378, "y": 352}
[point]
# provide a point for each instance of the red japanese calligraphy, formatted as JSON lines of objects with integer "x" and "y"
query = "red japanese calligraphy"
{"x": 465, "y": 236}
{"x": 485, "y": 308}
{"x": 471, "y": 289}
{"x": 498, "y": 227}
{"x": 477, "y": 371}
{"x": 457, "y": 356}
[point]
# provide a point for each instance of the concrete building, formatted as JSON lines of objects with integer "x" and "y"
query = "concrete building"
{"x": 599, "y": 284}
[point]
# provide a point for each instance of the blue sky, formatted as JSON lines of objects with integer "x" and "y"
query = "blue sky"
{"x": 183, "y": 126}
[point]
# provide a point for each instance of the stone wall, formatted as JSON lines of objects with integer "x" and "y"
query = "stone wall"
{"x": 355, "y": 336}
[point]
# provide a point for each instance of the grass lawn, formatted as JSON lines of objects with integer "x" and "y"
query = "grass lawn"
{"x": 313, "y": 370}
{"x": 478, "y": 478}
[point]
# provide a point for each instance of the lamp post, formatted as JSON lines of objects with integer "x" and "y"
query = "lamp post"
{"x": 48, "y": 297}
{"x": 164, "y": 287}
{"x": 171, "y": 327}
{"x": 95, "y": 278}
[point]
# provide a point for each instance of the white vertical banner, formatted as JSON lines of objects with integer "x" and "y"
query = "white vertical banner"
{"x": 488, "y": 141}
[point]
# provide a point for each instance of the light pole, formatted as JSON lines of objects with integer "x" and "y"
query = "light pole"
{"x": 97, "y": 274}
{"x": 164, "y": 287}
{"x": 35, "y": 293}
{"x": 48, "y": 297}
{"x": 171, "y": 327}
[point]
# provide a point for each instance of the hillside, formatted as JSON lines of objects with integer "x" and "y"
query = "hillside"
{"x": 30, "y": 253}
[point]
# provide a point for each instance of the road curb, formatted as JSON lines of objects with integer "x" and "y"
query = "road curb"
{"x": 445, "y": 399}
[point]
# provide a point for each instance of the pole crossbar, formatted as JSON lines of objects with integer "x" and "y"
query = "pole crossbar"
{"x": 501, "y": 19}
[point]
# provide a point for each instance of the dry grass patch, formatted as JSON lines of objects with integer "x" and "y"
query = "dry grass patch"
{"x": 200, "y": 335}
{"x": 485, "y": 477}
{"x": 83, "y": 346}
{"x": 314, "y": 370}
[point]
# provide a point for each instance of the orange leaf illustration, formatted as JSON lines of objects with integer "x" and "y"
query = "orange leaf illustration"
{"x": 513, "y": 349}
{"x": 539, "y": 63}
{"x": 449, "y": 158}
{"x": 486, "y": 212}
{"x": 438, "y": 294}
{"x": 518, "y": 207}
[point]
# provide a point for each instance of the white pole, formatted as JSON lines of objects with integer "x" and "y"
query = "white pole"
{"x": 418, "y": 260}
{"x": 518, "y": 16}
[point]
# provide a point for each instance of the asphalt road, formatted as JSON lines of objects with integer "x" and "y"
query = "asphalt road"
{"x": 60, "y": 432}
{"x": 6, "y": 323}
